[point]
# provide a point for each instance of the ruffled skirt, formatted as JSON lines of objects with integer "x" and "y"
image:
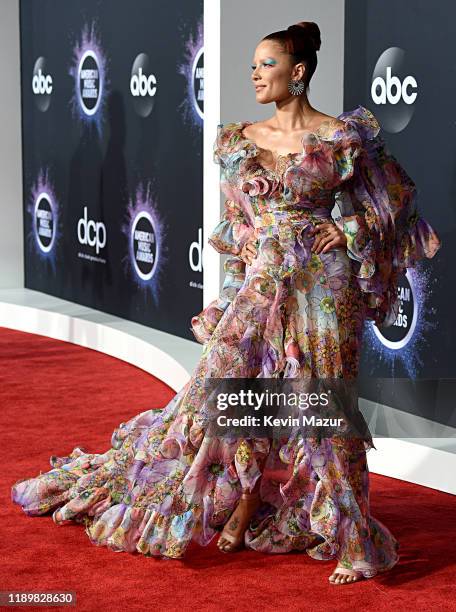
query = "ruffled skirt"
{"x": 154, "y": 491}
{"x": 165, "y": 481}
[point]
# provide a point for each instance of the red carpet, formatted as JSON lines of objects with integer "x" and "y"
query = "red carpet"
{"x": 55, "y": 395}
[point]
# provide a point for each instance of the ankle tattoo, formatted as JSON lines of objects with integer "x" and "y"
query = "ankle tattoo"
{"x": 234, "y": 523}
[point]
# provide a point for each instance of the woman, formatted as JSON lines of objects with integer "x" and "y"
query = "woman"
{"x": 298, "y": 289}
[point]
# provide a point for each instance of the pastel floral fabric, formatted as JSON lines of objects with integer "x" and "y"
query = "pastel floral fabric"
{"x": 164, "y": 481}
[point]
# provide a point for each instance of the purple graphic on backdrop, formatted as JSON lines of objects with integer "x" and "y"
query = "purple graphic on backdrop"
{"x": 402, "y": 341}
{"x": 144, "y": 231}
{"x": 192, "y": 69}
{"x": 89, "y": 72}
{"x": 43, "y": 208}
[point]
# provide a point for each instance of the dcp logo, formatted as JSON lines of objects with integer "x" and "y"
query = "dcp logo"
{"x": 195, "y": 253}
{"x": 143, "y": 85}
{"x": 42, "y": 85}
{"x": 393, "y": 90}
{"x": 91, "y": 232}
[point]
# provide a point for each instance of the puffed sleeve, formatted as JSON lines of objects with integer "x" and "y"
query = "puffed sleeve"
{"x": 231, "y": 233}
{"x": 204, "y": 323}
{"x": 233, "y": 230}
{"x": 377, "y": 211}
{"x": 236, "y": 225}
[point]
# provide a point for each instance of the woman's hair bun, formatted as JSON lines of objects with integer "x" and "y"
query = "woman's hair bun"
{"x": 308, "y": 30}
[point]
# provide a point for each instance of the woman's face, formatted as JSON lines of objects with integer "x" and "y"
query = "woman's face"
{"x": 271, "y": 72}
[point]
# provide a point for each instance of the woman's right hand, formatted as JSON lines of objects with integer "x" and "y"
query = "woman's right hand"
{"x": 248, "y": 252}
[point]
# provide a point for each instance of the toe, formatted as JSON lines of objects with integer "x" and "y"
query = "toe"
{"x": 223, "y": 544}
{"x": 337, "y": 578}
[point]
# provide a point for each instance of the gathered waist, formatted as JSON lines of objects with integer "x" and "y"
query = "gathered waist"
{"x": 300, "y": 217}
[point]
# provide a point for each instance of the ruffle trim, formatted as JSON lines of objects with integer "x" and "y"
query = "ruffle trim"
{"x": 203, "y": 324}
{"x": 146, "y": 495}
{"x": 324, "y": 161}
{"x": 230, "y": 236}
{"x": 363, "y": 121}
{"x": 385, "y": 234}
{"x": 231, "y": 146}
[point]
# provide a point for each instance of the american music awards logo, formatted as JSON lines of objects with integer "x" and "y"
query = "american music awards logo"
{"x": 192, "y": 69}
{"x": 401, "y": 341}
{"x": 144, "y": 230}
{"x": 44, "y": 212}
{"x": 89, "y": 72}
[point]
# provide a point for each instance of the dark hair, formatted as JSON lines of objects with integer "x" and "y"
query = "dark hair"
{"x": 302, "y": 41}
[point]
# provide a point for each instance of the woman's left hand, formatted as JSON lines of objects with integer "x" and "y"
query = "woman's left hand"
{"x": 327, "y": 236}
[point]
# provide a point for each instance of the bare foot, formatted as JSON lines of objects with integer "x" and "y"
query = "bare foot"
{"x": 232, "y": 536}
{"x": 342, "y": 575}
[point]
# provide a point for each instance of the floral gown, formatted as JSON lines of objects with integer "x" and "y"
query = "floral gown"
{"x": 291, "y": 313}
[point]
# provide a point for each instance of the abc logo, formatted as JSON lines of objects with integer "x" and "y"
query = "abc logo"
{"x": 143, "y": 85}
{"x": 42, "y": 84}
{"x": 140, "y": 85}
{"x": 392, "y": 90}
{"x": 91, "y": 232}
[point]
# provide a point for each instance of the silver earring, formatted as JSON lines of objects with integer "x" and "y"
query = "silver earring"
{"x": 296, "y": 87}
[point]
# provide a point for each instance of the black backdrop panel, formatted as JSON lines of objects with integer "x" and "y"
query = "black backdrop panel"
{"x": 411, "y": 44}
{"x": 112, "y": 106}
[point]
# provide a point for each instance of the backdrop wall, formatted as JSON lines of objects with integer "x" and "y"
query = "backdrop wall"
{"x": 11, "y": 241}
{"x": 121, "y": 197}
{"x": 112, "y": 125}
